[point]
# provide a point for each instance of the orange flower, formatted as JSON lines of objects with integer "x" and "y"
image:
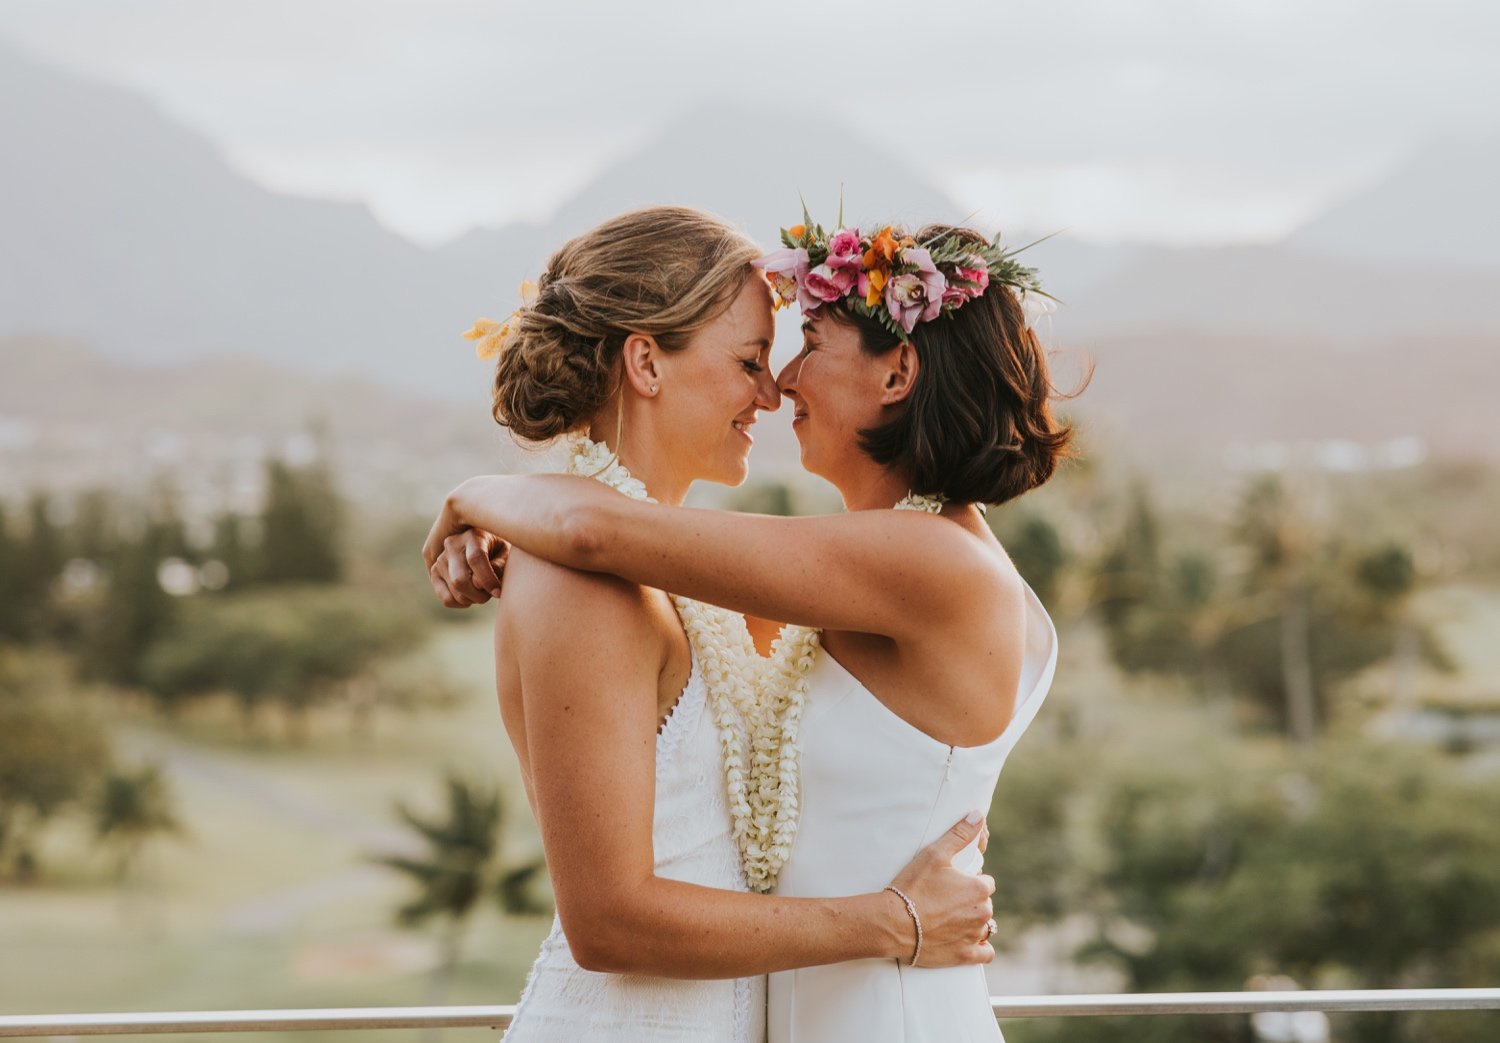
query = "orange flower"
{"x": 876, "y": 279}
{"x": 797, "y": 231}
{"x": 882, "y": 251}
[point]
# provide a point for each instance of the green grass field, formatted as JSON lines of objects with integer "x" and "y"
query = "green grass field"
{"x": 269, "y": 899}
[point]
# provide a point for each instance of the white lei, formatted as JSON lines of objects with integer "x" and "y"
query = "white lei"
{"x": 750, "y": 695}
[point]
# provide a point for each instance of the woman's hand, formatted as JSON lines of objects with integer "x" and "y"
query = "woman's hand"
{"x": 955, "y": 906}
{"x": 470, "y": 568}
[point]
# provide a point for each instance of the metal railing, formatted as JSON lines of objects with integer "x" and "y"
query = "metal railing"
{"x": 353, "y": 1018}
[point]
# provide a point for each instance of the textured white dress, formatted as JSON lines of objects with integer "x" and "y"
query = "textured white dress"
{"x": 563, "y": 1003}
{"x": 875, "y": 791}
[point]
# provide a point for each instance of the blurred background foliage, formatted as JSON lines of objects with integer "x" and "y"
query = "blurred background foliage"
{"x": 1271, "y": 748}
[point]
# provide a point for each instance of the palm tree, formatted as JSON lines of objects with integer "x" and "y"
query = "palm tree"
{"x": 463, "y": 863}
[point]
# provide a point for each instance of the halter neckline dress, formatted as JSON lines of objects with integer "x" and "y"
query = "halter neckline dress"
{"x": 875, "y": 791}
{"x": 563, "y": 1003}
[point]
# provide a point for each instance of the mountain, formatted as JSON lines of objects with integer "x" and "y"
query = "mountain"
{"x": 72, "y": 417}
{"x": 133, "y": 236}
{"x": 1437, "y": 208}
{"x": 126, "y": 230}
{"x": 1176, "y": 394}
{"x": 1275, "y": 292}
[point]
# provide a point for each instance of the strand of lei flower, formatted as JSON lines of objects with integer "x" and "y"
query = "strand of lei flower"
{"x": 730, "y": 666}
{"x": 775, "y": 771}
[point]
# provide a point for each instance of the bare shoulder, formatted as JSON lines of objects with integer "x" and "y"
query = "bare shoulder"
{"x": 963, "y": 557}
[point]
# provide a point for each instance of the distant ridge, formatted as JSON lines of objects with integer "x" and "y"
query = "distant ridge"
{"x": 1438, "y": 207}
{"x": 127, "y": 233}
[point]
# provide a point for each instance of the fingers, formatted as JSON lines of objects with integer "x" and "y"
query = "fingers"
{"x": 959, "y": 837}
{"x": 482, "y": 568}
{"x": 455, "y": 568}
{"x": 444, "y": 593}
{"x": 984, "y": 836}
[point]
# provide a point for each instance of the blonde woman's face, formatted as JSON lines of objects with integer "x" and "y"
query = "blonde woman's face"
{"x": 715, "y": 387}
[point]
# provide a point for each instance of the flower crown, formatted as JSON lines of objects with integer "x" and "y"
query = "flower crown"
{"x": 897, "y": 281}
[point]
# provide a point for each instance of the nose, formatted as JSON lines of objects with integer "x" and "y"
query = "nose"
{"x": 767, "y": 394}
{"x": 786, "y": 380}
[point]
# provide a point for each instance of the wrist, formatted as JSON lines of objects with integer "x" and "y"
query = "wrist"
{"x": 916, "y": 922}
{"x": 457, "y": 503}
{"x": 893, "y": 931}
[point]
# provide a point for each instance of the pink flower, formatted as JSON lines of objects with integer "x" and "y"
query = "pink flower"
{"x": 979, "y": 275}
{"x": 844, "y": 250}
{"x": 785, "y": 271}
{"x": 823, "y": 284}
{"x": 914, "y": 297}
{"x": 777, "y": 261}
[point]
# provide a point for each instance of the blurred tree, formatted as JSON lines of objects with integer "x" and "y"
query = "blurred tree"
{"x": 1036, "y": 548}
{"x": 132, "y": 808}
{"x": 50, "y": 749}
{"x": 1129, "y": 572}
{"x": 296, "y": 647}
{"x": 133, "y": 612}
{"x": 232, "y": 548}
{"x": 463, "y": 864}
{"x": 1031, "y": 853}
{"x": 764, "y": 497}
{"x": 1279, "y": 541}
{"x": 1375, "y": 868}
{"x": 300, "y": 526}
{"x": 14, "y": 608}
{"x": 43, "y": 556}
{"x": 94, "y": 531}
{"x": 31, "y": 556}
{"x": 1388, "y": 575}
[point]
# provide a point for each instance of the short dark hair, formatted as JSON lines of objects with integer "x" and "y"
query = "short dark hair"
{"x": 978, "y": 425}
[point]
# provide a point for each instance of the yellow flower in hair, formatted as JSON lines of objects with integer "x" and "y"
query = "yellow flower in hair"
{"x": 488, "y": 336}
{"x": 529, "y": 292}
{"x": 875, "y": 279}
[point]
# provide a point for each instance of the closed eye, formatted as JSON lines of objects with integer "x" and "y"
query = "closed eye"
{"x": 752, "y": 366}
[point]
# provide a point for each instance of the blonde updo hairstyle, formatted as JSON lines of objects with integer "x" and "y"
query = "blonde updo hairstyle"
{"x": 665, "y": 271}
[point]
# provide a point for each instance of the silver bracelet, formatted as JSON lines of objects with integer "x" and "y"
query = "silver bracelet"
{"x": 911, "y": 908}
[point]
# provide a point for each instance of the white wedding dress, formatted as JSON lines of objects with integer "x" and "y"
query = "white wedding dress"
{"x": 563, "y": 1003}
{"x": 875, "y": 791}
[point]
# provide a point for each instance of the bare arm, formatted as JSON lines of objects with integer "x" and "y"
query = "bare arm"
{"x": 880, "y": 572}
{"x": 590, "y": 733}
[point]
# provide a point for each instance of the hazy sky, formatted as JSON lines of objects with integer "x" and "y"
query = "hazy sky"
{"x": 1168, "y": 120}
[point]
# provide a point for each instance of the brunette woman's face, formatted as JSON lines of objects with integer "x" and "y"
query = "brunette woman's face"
{"x": 715, "y": 387}
{"x": 835, "y": 388}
